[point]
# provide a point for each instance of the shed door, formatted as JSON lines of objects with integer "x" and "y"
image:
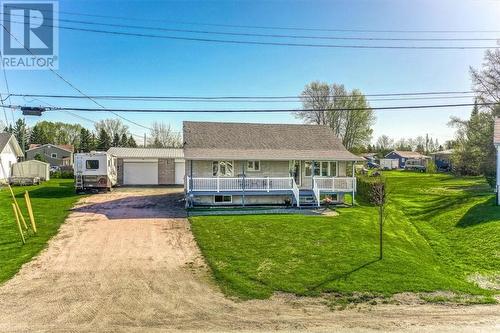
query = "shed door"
{"x": 179, "y": 172}
{"x": 140, "y": 173}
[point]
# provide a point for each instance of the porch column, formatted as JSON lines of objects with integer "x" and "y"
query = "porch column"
{"x": 243, "y": 165}
{"x": 191, "y": 180}
{"x": 353, "y": 182}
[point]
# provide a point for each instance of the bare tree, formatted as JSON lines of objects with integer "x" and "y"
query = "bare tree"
{"x": 384, "y": 143}
{"x": 486, "y": 81}
{"x": 336, "y": 107}
{"x": 163, "y": 136}
{"x": 316, "y": 96}
{"x": 112, "y": 127}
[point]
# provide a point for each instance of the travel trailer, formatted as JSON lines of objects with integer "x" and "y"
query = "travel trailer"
{"x": 95, "y": 171}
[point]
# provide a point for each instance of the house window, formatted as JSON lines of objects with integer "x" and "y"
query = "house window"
{"x": 253, "y": 165}
{"x": 324, "y": 169}
{"x": 222, "y": 168}
{"x": 317, "y": 166}
{"x": 92, "y": 164}
{"x": 221, "y": 199}
{"x": 333, "y": 169}
{"x": 53, "y": 155}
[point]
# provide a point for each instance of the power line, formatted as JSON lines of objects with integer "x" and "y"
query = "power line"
{"x": 429, "y": 106}
{"x": 247, "y": 42}
{"x": 244, "y": 101}
{"x": 228, "y": 97}
{"x": 267, "y": 27}
{"x": 74, "y": 87}
{"x": 246, "y": 34}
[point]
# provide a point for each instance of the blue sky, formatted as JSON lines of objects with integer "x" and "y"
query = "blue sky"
{"x": 106, "y": 64}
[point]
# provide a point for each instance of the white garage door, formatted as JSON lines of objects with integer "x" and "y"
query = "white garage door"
{"x": 140, "y": 173}
{"x": 179, "y": 172}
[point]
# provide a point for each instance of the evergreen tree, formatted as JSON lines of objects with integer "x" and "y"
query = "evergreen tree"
{"x": 116, "y": 140}
{"x": 86, "y": 142}
{"x": 38, "y": 135}
{"x": 131, "y": 142}
{"x": 103, "y": 140}
{"x": 124, "y": 140}
{"x": 21, "y": 133}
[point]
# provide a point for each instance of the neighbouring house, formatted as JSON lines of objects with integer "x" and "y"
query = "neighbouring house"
{"x": 55, "y": 155}
{"x": 10, "y": 153}
{"x": 265, "y": 164}
{"x": 149, "y": 166}
{"x": 442, "y": 159}
{"x": 403, "y": 156}
{"x": 31, "y": 169}
{"x": 496, "y": 142}
{"x": 370, "y": 157}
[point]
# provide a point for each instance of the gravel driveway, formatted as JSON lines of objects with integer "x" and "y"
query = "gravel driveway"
{"x": 127, "y": 261}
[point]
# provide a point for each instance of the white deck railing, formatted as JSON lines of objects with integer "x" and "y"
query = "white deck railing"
{"x": 218, "y": 184}
{"x": 335, "y": 184}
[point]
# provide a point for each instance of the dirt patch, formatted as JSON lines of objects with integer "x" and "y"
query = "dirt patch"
{"x": 127, "y": 261}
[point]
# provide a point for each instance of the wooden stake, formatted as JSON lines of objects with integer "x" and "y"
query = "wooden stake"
{"x": 17, "y": 206}
{"x": 14, "y": 208}
{"x": 30, "y": 210}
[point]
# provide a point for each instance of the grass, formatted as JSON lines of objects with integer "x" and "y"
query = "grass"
{"x": 51, "y": 202}
{"x": 439, "y": 230}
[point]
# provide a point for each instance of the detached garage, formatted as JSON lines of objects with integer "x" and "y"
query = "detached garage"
{"x": 149, "y": 166}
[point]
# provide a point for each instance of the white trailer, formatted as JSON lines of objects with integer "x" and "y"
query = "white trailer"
{"x": 95, "y": 170}
{"x": 389, "y": 163}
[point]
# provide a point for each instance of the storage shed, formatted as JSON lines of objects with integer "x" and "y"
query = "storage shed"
{"x": 31, "y": 168}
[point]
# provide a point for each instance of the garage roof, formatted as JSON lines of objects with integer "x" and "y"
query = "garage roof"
{"x": 121, "y": 152}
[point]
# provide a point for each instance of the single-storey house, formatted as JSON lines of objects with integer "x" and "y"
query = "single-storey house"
{"x": 55, "y": 155}
{"x": 149, "y": 166}
{"x": 10, "y": 153}
{"x": 265, "y": 164}
{"x": 496, "y": 142}
{"x": 403, "y": 156}
{"x": 442, "y": 159}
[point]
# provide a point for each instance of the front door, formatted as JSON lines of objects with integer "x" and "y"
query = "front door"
{"x": 296, "y": 172}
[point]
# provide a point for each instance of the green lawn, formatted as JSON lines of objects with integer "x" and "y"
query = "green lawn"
{"x": 51, "y": 203}
{"x": 438, "y": 231}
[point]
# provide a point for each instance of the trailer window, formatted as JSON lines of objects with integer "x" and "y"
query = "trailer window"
{"x": 92, "y": 164}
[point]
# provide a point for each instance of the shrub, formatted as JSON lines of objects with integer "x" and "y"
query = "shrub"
{"x": 431, "y": 167}
{"x": 365, "y": 187}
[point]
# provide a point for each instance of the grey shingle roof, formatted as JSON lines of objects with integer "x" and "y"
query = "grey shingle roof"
{"x": 496, "y": 136}
{"x": 407, "y": 154}
{"x": 212, "y": 140}
{"x": 4, "y": 140}
{"x": 121, "y": 152}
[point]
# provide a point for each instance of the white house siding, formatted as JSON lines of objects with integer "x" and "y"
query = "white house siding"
{"x": 7, "y": 159}
{"x": 267, "y": 169}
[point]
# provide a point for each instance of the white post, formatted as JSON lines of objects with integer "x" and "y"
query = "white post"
{"x": 218, "y": 185}
{"x": 267, "y": 180}
{"x": 498, "y": 174}
{"x": 187, "y": 184}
